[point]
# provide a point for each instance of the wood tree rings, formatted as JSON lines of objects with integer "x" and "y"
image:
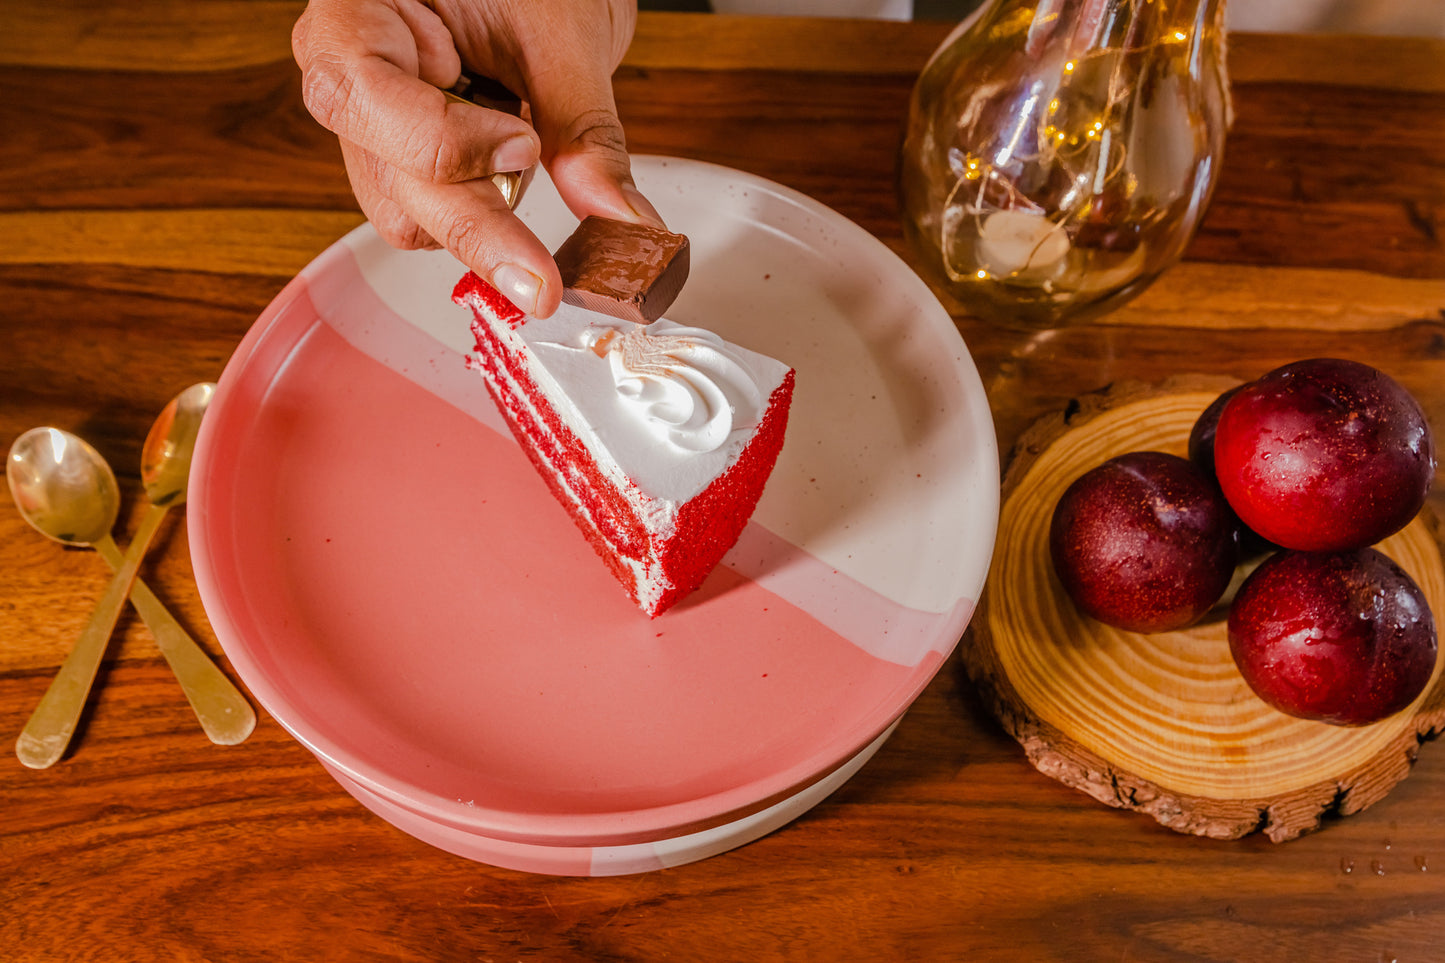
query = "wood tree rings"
{"x": 1163, "y": 724}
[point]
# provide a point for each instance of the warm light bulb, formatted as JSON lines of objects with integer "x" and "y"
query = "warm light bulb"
{"x": 981, "y": 206}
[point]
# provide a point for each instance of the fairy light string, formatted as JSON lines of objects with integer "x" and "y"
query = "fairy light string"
{"x": 1071, "y": 143}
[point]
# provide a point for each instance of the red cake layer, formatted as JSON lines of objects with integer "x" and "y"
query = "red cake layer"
{"x": 607, "y": 510}
{"x": 709, "y": 524}
{"x": 520, "y": 423}
{"x": 705, "y": 527}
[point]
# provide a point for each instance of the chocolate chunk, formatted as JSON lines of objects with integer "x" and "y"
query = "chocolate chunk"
{"x": 628, "y": 271}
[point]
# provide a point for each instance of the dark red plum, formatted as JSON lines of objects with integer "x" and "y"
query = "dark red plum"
{"x": 1340, "y": 637}
{"x": 1201, "y": 436}
{"x": 1324, "y": 455}
{"x": 1252, "y": 545}
{"x": 1143, "y": 542}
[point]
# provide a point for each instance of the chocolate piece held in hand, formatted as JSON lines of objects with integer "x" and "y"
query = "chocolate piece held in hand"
{"x": 629, "y": 271}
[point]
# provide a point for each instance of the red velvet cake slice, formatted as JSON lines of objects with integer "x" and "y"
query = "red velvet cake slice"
{"x": 657, "y": 438}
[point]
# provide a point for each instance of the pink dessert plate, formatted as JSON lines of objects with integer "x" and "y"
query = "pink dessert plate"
{"x": 396, "y": 586}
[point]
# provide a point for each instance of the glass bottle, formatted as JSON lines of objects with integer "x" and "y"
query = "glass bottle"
{"x": 1060, "y": 154}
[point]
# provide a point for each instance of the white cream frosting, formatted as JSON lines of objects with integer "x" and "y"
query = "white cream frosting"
{"x": 686, "y": 385}
{"x": 670, "y": 413}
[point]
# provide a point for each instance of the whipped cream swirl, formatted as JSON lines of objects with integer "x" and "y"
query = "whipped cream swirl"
{"x": 688, "y": 385}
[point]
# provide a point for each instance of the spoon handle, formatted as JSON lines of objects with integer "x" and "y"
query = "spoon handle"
{"x": 43, "y": 740}
{"x": 223, "y": 711}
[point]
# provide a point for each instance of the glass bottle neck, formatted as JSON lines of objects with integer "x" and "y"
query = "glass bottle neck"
{"x": 1123, "y": 25}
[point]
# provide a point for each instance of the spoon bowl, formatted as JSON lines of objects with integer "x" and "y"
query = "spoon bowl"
{"x": 67, "y": 492}
{"x": 165, "y": 465}
{"x": 62, "y": 486}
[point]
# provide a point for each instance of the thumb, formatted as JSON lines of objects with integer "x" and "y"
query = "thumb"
{"x": 583, "y": 144}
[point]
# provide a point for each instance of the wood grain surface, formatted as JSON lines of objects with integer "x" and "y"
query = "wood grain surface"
{"x": 160, "y": 182}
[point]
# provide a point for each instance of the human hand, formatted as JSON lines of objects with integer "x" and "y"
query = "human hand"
{"x": 420, "y": 164}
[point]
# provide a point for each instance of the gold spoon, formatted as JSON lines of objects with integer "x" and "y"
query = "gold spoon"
{"x": 66, "y": 491}
{"x": 485, "y": 92}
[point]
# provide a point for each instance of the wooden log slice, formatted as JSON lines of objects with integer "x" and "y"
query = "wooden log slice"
{"x": 1164, "y": 724}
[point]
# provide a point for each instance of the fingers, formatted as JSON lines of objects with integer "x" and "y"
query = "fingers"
{"x": 420, "y": 165}
{"x": 363, "y": 66}
{"x": 438, "y": 62}
{"x": 589, "y": 163}
{"x": 567, "y": 70}
{"x": 472, "y": 220}
{"x": 370, "y": 180}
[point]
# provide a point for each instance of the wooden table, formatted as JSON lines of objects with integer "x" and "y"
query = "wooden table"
{"x": 160, "y": 182}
